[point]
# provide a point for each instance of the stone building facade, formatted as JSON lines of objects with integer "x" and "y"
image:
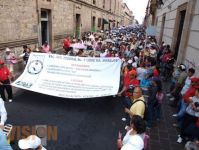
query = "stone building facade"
{"x": 177, "y": 23}
{"x": 32, "y": 22}
{"x": 127, "y": 15}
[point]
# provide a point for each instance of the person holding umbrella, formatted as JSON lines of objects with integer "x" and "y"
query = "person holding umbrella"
{"x": 5, "y": 76}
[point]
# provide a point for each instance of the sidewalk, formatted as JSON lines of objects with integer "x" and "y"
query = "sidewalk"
{"x": 163, "y": 135}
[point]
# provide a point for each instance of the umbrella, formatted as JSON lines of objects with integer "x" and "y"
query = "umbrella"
{"x": 79, "y": 46}
{"x": 109, "y": 41}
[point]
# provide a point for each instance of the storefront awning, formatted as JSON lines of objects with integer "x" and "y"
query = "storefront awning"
{"x": 105, "y": 21}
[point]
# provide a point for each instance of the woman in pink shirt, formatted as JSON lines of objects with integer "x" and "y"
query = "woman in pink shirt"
{"x": 46, "y": 48}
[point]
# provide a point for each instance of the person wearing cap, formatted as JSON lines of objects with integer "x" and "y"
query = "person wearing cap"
{"x": 3, "y": 141}
{"x": 130, "y": 82}
{"x": 191, "y": 115}
{"x": 186, "y": 100}
{"x": 179, "y": 85}
{"x": 5, "y": 76}
{"x": 10, "y": 60}
{"x": 133, "y": 139}
{"x": 185, "y": 88}
{"x": 127, "y": 66}
{"x": 31, "y": 143}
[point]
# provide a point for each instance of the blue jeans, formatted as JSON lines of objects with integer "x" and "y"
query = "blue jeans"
{"x": 172, "y": 85}
{"x": 182, "y": 109}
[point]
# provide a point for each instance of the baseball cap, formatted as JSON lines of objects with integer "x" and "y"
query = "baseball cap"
{"x": 30, "y": 142}
{"x": 182, "y": 67}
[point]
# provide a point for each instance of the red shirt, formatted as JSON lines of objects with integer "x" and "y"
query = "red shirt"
{"x": 190, "y": 93}
{"x": 155, "y": 73}
{"x": 166, "y": 57}
{"x": 4, "y": 73}
{"x": 129, "y": 82}
{"x": 66, "y": 43}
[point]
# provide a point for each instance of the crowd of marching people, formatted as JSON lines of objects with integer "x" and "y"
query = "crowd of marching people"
{"x": 145, "y": 64}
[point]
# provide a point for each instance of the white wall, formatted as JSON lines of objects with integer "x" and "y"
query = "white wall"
{"x": 191, "y": 53}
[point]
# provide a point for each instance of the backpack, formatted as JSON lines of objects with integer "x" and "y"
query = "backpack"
{"x": 146, "y": 109}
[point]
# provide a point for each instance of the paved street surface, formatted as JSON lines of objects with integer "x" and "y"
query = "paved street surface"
{"x": 82, "y": 124}
{"x": 91, "y": 124}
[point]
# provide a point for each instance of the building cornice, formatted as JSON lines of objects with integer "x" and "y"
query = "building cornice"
{"x": 93, "y": 7}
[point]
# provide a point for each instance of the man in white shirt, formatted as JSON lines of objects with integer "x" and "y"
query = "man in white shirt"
{"x": 3, "y": 113}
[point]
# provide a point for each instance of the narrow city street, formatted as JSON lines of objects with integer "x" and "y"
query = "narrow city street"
{"x": 88, "y": 124}
{"x": 85, "y": 124}
{"x": 99, "y": 75}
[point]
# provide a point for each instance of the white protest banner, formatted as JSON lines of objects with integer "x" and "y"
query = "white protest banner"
{"x": 70, "y": 77}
